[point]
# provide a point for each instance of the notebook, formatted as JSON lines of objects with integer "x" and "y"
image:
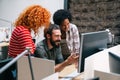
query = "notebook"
{"x": 52, "y": 77}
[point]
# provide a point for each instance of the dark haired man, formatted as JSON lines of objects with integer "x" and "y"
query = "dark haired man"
{"x": 50, "y": 48}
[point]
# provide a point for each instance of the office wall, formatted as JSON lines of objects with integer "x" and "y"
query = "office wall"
{"x": 10, "y": 10}
{"x": 94, "y": 15}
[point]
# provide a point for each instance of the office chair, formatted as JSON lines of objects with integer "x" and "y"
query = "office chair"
{"x": 4, "y": 53}
{"x": 7, "y": 74}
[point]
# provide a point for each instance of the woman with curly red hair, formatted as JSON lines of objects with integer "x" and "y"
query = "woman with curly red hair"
{"x": 31, "y": 19}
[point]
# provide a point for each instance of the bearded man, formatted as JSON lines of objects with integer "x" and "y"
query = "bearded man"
{"x": 49, "y": 48}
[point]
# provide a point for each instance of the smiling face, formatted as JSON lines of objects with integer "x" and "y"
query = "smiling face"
{"x": 65, "y": 25}
{"x": 55, "y": 38}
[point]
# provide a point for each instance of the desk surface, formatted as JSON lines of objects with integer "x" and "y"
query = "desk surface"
{"x": 68, "y": 70}
{"x": 4, "y": 44}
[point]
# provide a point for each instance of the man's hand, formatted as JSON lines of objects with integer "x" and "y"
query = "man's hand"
{"x": 73, "y": 58}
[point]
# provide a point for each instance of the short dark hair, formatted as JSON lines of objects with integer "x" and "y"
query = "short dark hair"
{"x": 60, "y": 15}
{"x": 50, "y": 29}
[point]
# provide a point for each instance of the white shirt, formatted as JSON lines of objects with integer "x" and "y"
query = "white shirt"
{"x": 73, "y": 38}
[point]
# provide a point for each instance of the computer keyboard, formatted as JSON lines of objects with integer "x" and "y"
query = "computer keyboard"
{"x": 70, "y": 76}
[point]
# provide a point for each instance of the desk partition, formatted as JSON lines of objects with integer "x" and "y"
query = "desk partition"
{"x": 101, "y": 62}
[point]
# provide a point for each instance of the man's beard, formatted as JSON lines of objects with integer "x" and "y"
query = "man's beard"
{"x": 54, "y": 43}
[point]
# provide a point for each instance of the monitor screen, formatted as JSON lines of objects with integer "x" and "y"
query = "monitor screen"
{"x": 91, "y": 42}
{"x": 114, "y": 62}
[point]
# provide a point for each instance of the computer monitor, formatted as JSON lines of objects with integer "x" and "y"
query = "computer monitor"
{"x": 114, "y": 62}
{"x": 91, "y": 43}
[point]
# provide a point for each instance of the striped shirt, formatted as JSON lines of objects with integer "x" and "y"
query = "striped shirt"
{"x": 73, "y": 38}
{"x": 20, "y": 39}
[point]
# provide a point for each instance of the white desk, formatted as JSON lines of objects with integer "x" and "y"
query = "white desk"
{"x": 71, "y": 68}
{"x": 100, "y": 61}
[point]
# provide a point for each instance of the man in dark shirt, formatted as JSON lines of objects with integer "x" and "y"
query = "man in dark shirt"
{"x": 50, "y": 48}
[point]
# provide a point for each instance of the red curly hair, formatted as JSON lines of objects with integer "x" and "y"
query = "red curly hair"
{"x": 34, "y": 17}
